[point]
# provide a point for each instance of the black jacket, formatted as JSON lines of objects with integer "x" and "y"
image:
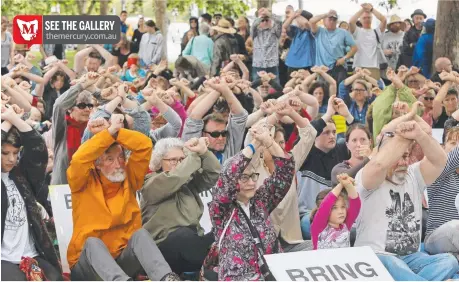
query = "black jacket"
{"x": 225, "y": 45}
{"x": 29, "y": 177}
{"x": 410, "y": 37}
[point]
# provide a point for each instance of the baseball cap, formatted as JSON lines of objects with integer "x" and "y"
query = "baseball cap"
{"x": 306, "y": 14}
{"x": 333, "y": 15}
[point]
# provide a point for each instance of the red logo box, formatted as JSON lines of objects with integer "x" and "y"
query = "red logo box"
{"x": 28, "y": 29}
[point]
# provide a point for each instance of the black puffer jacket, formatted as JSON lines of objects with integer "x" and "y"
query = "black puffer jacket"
{"x": 225, "y": 45}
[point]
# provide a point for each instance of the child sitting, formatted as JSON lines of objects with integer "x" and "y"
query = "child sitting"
{"x": 132, "y": 70}
{"x": 333, "y": 219}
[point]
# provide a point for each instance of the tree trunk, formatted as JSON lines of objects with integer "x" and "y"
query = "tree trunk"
{"x": 103, "y": 7}
{"x": 264, "y": 4}
{"x": 446, "y": 40}
{"x": 161, "y": 22}
{"x": 300, "y": 4}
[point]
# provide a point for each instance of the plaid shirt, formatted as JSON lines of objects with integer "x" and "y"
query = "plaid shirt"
{"x": 266, "y": 44}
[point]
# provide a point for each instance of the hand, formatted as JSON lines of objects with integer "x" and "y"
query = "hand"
{"x": 409, "y": 130}
{"x": 297, "y": 13}
{"x": 324, "y": 68}
{"x": 218, "y": 85}
{"x": 235, "y": 58}
{"x": 331, "y": 110}
{"x": 295, "y": 102}
{"x": 316, "y": 69}
{"x": 8, "y": 114}
{"x": 8, "y": 82}
{"x": 364, "y": 151}
{"x": 262, "y": 135}
{"x": 388, "y": 52}
{"x": 151, "y": 98}
{"x": 430, "y": 84}
{"x": 283, "y": 109}
{"x": 19, "y": 111}
{"x": 89, "y": 79}
{"x": 123, "y": 89}
{"x": 400, "y": 109}
{"x": 447, "y": 76}
{"x": 341, "y": 61}
{"x": 109, "y": 93}
{"x": 30, "y": 57}
{"x": 268, "y": 107}
{"x": 125, "y": 66}
{"x": 414, "y": 70}
{"x": 47, "y": 123}
{"x": 341, "y": 107}
{"x": 346, "y": 180}
{"x": 97, "y": 125}
{"x": 5, "y": 99}
{"x": 116, "y": 123}
{"x": 198, "y": 146}
{"x": 367, "y": 7}
{"x": 147, "y": 91}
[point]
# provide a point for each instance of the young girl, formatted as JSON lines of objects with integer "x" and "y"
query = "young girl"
{"x": 334, "y": 218}
{"x": 133, "y": 71}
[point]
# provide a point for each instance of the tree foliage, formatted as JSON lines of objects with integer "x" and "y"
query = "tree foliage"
{"x": 231, "y": 8}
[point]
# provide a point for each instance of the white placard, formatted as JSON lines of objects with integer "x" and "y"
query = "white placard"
{"x": 61, "y": 202}
{"x": 437, "y": 133}
{"x": 350, "y": 264}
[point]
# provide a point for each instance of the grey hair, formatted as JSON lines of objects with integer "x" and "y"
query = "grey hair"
{"x": 84, "y": 96}
{"x": 162, "y": 147}
{"x": 204, "y": 29}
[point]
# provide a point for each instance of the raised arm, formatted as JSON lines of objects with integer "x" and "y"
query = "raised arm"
{"x": 438, "y": 101}
{"x": 288, "y": 21}
{"x": 17, "y": 98}
{"x": 204, "y": 105}
{"x": 46, "y": 78}
{"x": 233, "y": 103}
{"x": 80, "y": 59}
{"x": 70, "y": 73}
{"x": 314, "y": 20}
{"x": 109, "y": 61}
{"x": 353, "y": 20}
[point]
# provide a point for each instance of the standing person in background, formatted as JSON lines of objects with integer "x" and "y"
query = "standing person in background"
{"x": 303, "y": 48}
{"x": 344, "y": 25}
{"x": 239, "y": 38}
{"x": 7, "y": 46}
{"x": 139, "y": 32}
{"x": 411, "y": 38}
{"x": 331, "y": 43}
{"x": 151, "y": 45}
{"x": 201, "y": 46}
{"x": 225, "y": 45}
{"x": 194, "y": 27}
{"x": 392, "y": 42}
{"x": 367, "y": 38}
{"x": 408, "y": 25}
{"x": 124, "y": 25}
{"x": 206, "y": 18}
{"x": 422, "y": 55}
{"x": 122, "y": 50}
{"x": 266, "y": 31}
{"x": 90, "y": 59}
{"x": 243, "y": 27}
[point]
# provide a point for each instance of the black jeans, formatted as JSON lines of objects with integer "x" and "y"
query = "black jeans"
{"x": 184, "y": 250}
{"x": 11, "y": 271}
{"x": 338, "y": 73}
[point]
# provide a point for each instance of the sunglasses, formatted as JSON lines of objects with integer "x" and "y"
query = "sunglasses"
{"x": 216, "y": 134}
{"x": 245, "y": 177}
{"x": 429, "y": 98}
{"x": 265, "y": 20}
{"x": 82, "y": 106}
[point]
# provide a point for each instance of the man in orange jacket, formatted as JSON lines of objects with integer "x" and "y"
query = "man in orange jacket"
{"x": 108, "y": 240}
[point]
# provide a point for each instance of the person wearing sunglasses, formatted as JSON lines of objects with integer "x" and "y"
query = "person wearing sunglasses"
{"x": 170, "y": 202}
{"x": 391, "y": 191}
{"x": 70, "y": 117}
{"x": 225, "y": 136}
{"x": 238, "y": 202}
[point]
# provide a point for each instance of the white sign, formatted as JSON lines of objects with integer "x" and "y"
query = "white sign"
{"x": 61, "y": 202}
{"x": 437, "y": 133}
{"x": 350, "y": 264}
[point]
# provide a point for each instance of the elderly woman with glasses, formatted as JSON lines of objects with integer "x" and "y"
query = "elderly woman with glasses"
{"x": 170, "y": 202}
{"x": 244, "y": 209}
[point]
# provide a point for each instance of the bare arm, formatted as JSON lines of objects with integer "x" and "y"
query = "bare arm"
{"x": 18, "y": 99}
{"x": 80, "y": 59}
{"x": 31, "y": 76}
{"x": 244, "y": 69}
{"x": 354, "y": 19}
{"x": 257, "y": 99}
{"x": 46, "y": 78}
{"x": 314, "y": 20}
{"x": 381, "y": 18}
{"x": 438, "y": 101}
{"x": 204, "y": 105}
{"x": 434, "y": 160}
{"x": 348, "y": 81}
{"x": 288, "y": 22}
{"x": 70, "y": 73}
{"x": 105, "y": 54}
{"x": 233, "y": 103}
{"x": 196, "y": 102}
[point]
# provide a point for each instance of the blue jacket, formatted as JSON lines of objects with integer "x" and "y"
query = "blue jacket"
{"x": 422, "y": 56}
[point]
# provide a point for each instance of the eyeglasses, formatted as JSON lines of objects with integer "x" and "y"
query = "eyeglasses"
{"x": 245, "y": 177}
{"x": 265, "y": 20}
{"x": 216, "y": 134}
{"x": 174, "y": 161}
{"x": 388, "y": 134}
{"x": 82, "y": 106}
{"x": 429, "y": 98}
{"x": 413, "y": 81}
{"x": 359, "y": 90}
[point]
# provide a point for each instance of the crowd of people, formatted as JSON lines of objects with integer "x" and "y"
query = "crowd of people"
{"x": 307, "y": 132}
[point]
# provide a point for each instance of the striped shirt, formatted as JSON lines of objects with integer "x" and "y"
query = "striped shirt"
{"x": 442, "y": 194}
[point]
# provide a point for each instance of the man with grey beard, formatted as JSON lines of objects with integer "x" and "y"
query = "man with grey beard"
{"x": 108, "y": 240}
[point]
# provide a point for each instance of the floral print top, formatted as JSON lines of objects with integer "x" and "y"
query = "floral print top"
{"x": 238, "y": 255}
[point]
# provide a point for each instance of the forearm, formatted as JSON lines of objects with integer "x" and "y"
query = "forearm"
{"x": 233, "y": 103}
{"x": 287, "y": 23}
{"x": 354, "y": 19}
{"x": 244, "y": 69}
{"x": 18, "y": 99}
{"x": 70, "y": 73}
{"x": 348, "y": 81}
{"x": 204, "y": 105}
{"x": 443, "y": 91}
{"x": 33, "y": 77}
{"x": 6, "y": 126}
{"x": 111, "y": 106}
{"x": 257, "y": 99}
{"x": 351, "y": 52}
{"x": 314, "y": 20}
{"x": 80, "y": 58}
{"x": 300, "y": 121}
{"x": 228, "y": 67}
{"x": 382, "y": 19}
{"x": 105, "y": 54}
{"x": 432, "y": 150}
{"x": 21, "y": 125}
{"x": 371, "y": 80}
{"x": 129, "y": 104}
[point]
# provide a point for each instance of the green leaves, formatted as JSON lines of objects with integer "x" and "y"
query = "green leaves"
{"x": 231, "y": 8}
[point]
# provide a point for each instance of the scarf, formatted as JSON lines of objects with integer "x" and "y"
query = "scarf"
{"x": 291, "y": 140}
{"x": 75, "y": 131}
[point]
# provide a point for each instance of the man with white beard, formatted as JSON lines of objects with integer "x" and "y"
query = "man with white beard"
{"x": 108, "y": 240}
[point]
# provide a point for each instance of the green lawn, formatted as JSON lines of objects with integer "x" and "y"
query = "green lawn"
{"x": 69, "y": 55}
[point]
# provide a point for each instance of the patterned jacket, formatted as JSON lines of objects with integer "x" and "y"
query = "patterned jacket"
{"x": 29, "y": 177}
{"x": 238, "y": 256}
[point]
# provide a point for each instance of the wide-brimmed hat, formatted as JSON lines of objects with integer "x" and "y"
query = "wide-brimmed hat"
{"x": 396, "y": 19}
{"x": 418, "y": 12}
{"x": 224, "y": 26}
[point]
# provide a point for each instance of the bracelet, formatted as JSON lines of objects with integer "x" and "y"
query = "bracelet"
{"x": 252, "y": 148}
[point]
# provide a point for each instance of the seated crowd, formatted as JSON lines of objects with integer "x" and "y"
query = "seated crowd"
{"x": 298, "y": 153}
